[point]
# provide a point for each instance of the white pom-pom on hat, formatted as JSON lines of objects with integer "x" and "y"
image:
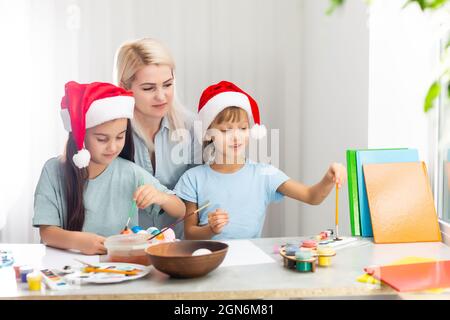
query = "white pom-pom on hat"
{"x": 81, "y": 158}
{"x": 258, "y": 131}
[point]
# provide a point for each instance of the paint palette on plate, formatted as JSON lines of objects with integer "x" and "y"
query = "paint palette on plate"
{"x": 80, "y": 277}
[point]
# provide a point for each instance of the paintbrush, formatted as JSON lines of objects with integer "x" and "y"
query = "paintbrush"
{"x": 175, "y": 223}
{"x": 129, "y": 273}
{"x": 337, "y": 215}
{"x": 133, "y": 207}
{"x": 91, "y": 268}
{"x": 85, "y": 263}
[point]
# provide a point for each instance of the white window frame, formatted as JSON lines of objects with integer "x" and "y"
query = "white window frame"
{"x": 439, "y": 183}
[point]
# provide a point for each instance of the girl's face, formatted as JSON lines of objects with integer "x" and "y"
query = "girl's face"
{"x": 230, "y": 140}
{"x": 106, "y": 141}
{"x": 153, "y": 90}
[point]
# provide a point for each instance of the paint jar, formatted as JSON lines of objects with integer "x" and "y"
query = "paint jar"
{"x": 24, "y": 270}
{"x": 310, "y": 244}
{"x": 17, "y": 272}
{"x": 301, "y": 265}
{"x": 288, "y": 263}
{"x": 276, "y": 249}
{"x": 128, "y": 248}
{"x": 291, "y": 250}
{"x": 325, "y": 253}
{"x": 34, "y": 280}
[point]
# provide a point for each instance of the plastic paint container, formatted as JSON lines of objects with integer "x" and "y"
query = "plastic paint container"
{"x": 17, "y": 271}
{"x": 129, "y": 248}
{"x": 276, "y": 249}
{"x": 310, "y": 244}
{"x": 325, "y": 254}
{"x": 303, "y": 266}
{"x": 291, "y": 250}
{"x": 34, "y": 281}
{"x": 24, "y": 270}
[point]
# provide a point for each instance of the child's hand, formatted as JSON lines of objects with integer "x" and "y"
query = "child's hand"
{"x": 147, "y": 195}
{"x": 217, "y": 220}
{"x": 91, "y": 243}
{"x": 337, "y": 174}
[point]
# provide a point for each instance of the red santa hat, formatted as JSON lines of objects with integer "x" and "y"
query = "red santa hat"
{"x": 88, "y": 105}
{"x": 225, "y": 94}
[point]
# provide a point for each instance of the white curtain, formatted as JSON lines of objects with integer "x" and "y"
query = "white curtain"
{"x": 30, "y": 128}
{"x": 255, "y": 43}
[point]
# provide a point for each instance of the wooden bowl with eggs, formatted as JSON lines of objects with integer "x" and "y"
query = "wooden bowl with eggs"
{"x": 187, "y": 258}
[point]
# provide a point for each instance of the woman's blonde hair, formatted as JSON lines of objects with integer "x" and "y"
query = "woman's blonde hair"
{"x": 129, "y": 59}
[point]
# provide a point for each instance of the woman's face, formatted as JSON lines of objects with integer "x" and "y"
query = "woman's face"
{"x": 153, "y": 90}
{"x": 106, "y": 141}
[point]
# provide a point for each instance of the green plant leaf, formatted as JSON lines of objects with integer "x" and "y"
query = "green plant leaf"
{"x": 436, "y": 4}
{"x": 334, "y": 4}
{"x": 427, "y": 4}
{"x": 433, "y": 93}
{"x": 448, "y": 90}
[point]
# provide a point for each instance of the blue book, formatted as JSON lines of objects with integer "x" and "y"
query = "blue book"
{"x": 376, "y": 156}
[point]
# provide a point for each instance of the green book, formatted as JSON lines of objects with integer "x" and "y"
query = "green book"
{"x": 353, "y": 202}
{"x": 353, "y": 198}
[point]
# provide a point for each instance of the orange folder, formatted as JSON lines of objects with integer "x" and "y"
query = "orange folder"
{"x": 401, "y": 203}
{"x": 414, "y": 277}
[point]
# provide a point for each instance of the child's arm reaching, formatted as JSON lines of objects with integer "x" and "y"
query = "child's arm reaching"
{"x": 216, "y": 222}
{"x": 87, "y": 243}
{"x": 147, "y": 195}
{"x": 315, "y": 194}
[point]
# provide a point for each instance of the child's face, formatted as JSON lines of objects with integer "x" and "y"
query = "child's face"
{"x": 230, "y": 140}
{"x": 153, "y": 90}
{"x": 106, "y": 141}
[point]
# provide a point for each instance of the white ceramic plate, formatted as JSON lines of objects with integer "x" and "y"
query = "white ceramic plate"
{"x": 79, "y": 277}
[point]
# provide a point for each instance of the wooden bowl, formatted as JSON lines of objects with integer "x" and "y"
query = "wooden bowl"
{"x": 176, "y": 259}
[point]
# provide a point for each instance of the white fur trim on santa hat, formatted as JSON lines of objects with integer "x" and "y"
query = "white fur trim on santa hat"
{"x": 219, "y": 102}
{"x": 103, "y": 110}
{"x": 82, "y": 158}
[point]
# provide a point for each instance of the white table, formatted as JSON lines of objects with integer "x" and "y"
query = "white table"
{"x": 256, "y": 281}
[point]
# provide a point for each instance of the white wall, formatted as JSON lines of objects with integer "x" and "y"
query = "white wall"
{"x": 255, "y": 43}
{"x": 404, "y": 56}
{"x": 334, "y": 105}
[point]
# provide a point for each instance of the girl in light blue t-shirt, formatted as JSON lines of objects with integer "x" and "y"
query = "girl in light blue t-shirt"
{"x": 237, "y": 189}
{"x": 87, "y": 194}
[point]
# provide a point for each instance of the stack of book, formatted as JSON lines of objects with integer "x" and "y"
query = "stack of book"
{"x": 390, "y": 197}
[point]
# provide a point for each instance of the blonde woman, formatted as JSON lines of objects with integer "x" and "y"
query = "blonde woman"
{"x": 164, "y": 143}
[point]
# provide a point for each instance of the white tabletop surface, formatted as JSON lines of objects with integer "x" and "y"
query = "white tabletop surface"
{"x": 237, "y": 278}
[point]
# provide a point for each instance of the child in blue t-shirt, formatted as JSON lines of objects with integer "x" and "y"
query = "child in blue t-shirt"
{"x": 87, "y": 194}
{"x": 238, "y": 189}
